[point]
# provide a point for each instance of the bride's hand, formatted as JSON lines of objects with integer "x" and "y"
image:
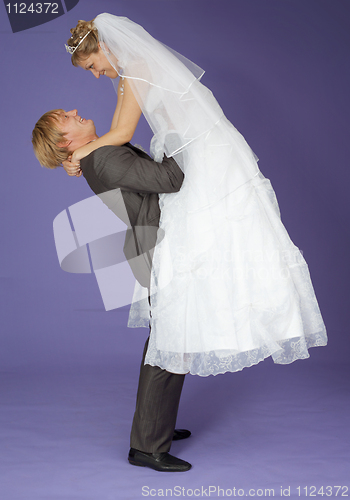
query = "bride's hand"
{"x": 72, "y": 167}
{"x": 83, "y": 151}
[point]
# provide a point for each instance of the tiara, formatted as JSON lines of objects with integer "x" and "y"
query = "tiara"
{"x": 71, "y": 49}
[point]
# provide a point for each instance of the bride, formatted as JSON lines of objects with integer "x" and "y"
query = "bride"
{"x": 228, "y": 287}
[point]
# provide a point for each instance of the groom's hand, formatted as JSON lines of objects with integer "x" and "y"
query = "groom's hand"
{"x": 72, "y": 169}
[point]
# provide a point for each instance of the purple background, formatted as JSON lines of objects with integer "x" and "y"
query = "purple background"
{"x": 280, "y": 70}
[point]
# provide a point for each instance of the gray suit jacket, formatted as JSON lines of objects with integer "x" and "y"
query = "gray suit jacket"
{"x": 134, "y": 181}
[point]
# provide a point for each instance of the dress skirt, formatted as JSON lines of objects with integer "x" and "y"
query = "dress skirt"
{"x": 229, "y": 287}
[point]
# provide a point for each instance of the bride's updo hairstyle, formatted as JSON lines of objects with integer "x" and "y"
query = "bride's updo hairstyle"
{"x": 82, "y": 47}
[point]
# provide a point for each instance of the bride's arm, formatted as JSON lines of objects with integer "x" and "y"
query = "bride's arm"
{"x": 120, "y": 94}
{"x": 73, "y": 169}
{"x": 124, "y": 123}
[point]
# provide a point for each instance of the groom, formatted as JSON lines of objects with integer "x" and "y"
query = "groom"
{"x": 56, "y": 135}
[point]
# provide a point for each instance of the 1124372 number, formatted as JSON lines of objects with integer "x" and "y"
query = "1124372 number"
{"x": 33, "y": 8}
{"x": 328, "y": 491}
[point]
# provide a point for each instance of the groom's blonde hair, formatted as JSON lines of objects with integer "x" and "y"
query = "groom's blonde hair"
{"x": 46, "y": 138}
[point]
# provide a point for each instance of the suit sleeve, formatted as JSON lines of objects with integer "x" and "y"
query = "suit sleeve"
{"x": 123, "y": 168}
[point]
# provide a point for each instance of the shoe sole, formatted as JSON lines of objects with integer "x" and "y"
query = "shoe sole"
{"x": 158, "y": 470}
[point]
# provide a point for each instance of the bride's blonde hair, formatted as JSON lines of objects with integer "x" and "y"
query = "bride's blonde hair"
{"x": 85, "y": 46}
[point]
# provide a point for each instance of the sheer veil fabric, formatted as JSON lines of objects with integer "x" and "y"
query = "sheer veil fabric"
{"x": 228, "y": 287}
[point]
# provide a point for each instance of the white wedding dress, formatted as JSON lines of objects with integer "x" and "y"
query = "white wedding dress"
{"x": 228, "y": 287}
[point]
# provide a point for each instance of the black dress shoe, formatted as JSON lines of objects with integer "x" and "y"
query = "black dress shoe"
{"x": 181, "y": 434}
{"x": 163, "y": 462}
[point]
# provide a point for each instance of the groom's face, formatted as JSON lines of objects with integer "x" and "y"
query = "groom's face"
{"x": 78, "y": 131}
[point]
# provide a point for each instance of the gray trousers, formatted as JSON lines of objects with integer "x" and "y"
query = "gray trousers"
{"x": 157, "y": 403}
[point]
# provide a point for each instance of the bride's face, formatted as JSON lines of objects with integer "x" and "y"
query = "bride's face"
{"x": 99, "y": 65}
